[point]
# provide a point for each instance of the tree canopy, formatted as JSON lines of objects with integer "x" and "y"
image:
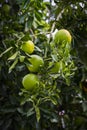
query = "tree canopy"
{"x": 60, "y": 100}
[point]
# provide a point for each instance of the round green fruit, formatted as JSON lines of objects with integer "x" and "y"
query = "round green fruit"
{"x": 36, "y": 63}
{"x": 28, "y": 47}
{"x": 30, "y": 81}
{"x": 62, "y": 35}
{"x": 6, "y": 8}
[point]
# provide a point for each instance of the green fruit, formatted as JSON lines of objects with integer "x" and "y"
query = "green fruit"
{"x": 6, "y": 8}
{"x": 62, "y": 35}
{"x": 36, "y": 63}
{"x": 30, "y": 81}
{"x": 28, "y": 47}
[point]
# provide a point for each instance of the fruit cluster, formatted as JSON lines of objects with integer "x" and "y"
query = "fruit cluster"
{"x": 31, "y": 81}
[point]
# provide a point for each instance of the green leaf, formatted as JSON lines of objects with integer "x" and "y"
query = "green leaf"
{"x": 30, "y": 112}
{"x": 13, "y": 56}
{"x": 54, "y": 57}
{"x": 5, "y": 51}
{"x": 84, "y": 105}
{"x": 38, "y": 49}
{"x": 13, "y": 65}
{"x": 6, "y": 110}
{"x": 28, "y": 23}
{"x": 53, "y": 100}
{"x": 20, "y": 111}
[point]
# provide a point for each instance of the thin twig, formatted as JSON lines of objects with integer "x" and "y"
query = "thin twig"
{"x": 58, "y": 17}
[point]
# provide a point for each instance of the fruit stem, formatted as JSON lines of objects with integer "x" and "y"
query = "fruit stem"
{"x": 38, "y": 126}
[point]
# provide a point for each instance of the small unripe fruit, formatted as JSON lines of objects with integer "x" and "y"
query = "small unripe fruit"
{"x": 36, "y": 63}
{"x": 62, "y": 35}
{"x": 30, "y": 81}
{"x": 6, "y": 8}
{"x": 28, "y": 47}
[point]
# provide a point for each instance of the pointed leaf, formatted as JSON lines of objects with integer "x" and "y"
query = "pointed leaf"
{"x": 30, "y": 112}
{"x": 7, "y": 50}
{"x": 13, "y": 56}
{"x": 13, "y": 65}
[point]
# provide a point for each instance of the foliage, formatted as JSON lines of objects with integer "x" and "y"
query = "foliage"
{"x": 60, "y": 102}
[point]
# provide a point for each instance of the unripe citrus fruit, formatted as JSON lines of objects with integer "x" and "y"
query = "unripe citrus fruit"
{"x": 62, "y": 35}
{"x": 36, "y": 63}
{"x": 6, "y": 8}
{"x": 30, "y": 81}
{"x": 28, "y": 47}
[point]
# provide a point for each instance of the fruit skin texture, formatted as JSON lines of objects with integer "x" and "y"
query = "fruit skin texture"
{"x": 30, "y": 81}
{"x": 36, "y": 63}
{"x": 62, "y": 35}
{"x": 28, "y": 47}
